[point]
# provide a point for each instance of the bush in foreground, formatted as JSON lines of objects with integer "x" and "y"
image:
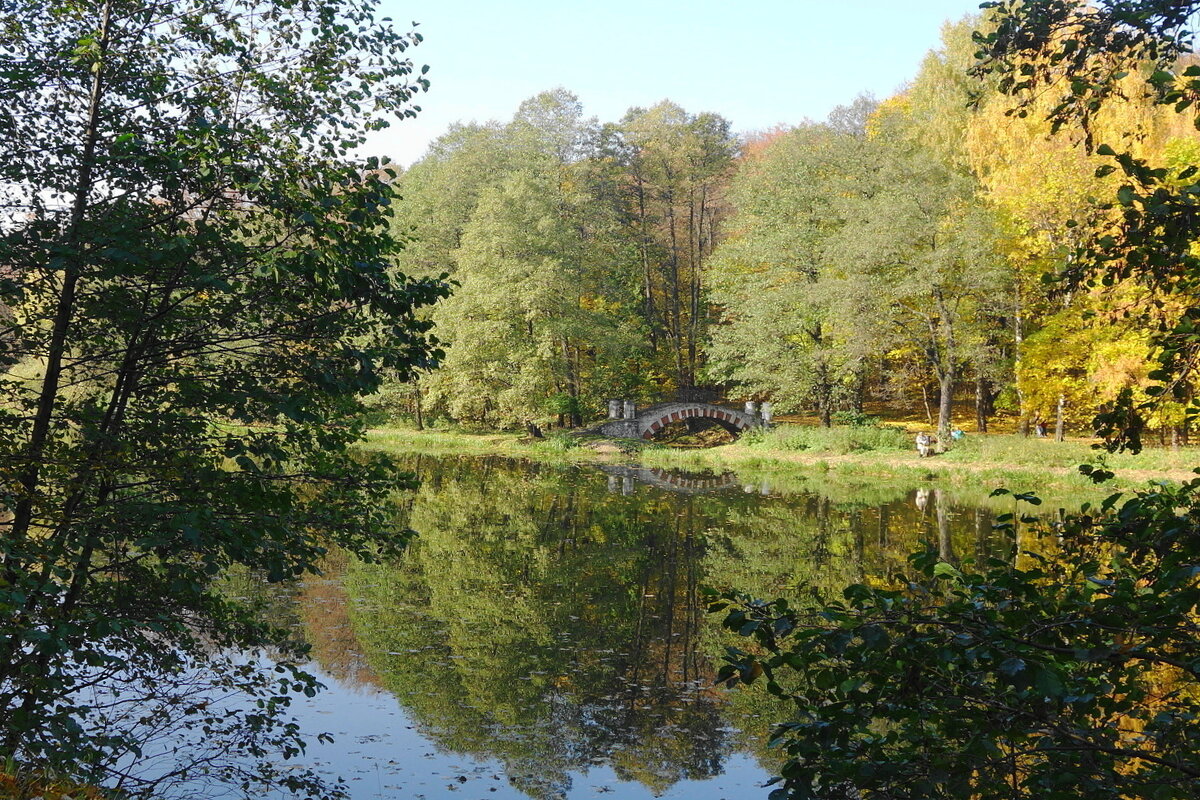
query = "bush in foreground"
{"x": 1072, "y": 676}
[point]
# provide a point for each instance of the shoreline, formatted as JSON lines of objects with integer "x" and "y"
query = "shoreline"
{"x": 1031, "y": 464}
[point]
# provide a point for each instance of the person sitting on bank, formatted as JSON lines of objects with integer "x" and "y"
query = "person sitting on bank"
{"x": 925, "y": 444}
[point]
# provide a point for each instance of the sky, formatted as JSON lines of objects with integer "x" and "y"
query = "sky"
{"x": 759, "y": 64}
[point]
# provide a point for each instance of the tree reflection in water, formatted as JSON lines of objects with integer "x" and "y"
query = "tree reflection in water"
{"x": 544, "y": 621}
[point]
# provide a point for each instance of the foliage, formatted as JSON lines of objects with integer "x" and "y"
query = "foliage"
{"x": 544, "y": 323}
{"x": 1070, "y": 675}
{"x": 1083, "y": 56}
{"x": 848, "y": 439}
{"x": 674, "y": 169}
{"x": 19, "y": 787}
{"x": 856, "y": 419}
{"x": 780, "y": 333}
{"x": 860, "y": 244}
{"x": 893, "y": 252}
{"x": 196, "y": 291}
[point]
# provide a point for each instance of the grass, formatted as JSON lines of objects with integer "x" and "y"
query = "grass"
{"x": 559, "y": 447}
{"x": 1019, "y": 451}
{"x": 839, "y": 441}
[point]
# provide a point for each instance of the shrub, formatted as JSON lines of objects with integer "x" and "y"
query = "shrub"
{"x": 855, "y": 419}
{"x": 831, "y": 440}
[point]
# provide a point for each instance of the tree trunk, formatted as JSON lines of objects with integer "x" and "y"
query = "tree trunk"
{"x": 1018, "y": 339}
{"x": 65, "y": 311}
{"x": 945, "y": 406}
{"x": 925, "y": 400}
{"x": 572, "y": 381}
{"x": 1058, "y": 418}
{"x": 647, "y": 277}
{"x": 417, "y": 406}
{"x": 981, "y": 403}
{"x": 824, "y": 396}
{"x": 674, "y": 302}
{"x": 696, "y": 257}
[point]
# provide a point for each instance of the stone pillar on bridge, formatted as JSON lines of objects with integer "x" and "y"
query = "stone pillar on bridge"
{"x": 630, "y": 409}
{"x": 614, "y": 409}
{"x": 751, "y": 408}
{"x": 766, "y": 413}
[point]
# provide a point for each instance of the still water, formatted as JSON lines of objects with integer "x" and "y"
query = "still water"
{"x": 545, "y": 636}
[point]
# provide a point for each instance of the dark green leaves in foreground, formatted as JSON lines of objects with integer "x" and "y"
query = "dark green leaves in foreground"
{"x": 196, "y": 288}
{"x": 1075, "y": 674}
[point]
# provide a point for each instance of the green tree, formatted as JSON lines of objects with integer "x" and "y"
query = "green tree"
{"x": 439, "y": 193}
{"x": 918, "y": 259}
{"x": 197, "y": 291}
{"x": 543, "y": 321}
{"x": 676, "y": 166}
{"x": 778, "y": 333}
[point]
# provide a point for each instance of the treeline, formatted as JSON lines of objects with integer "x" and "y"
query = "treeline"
{"x": 900, "y": 250}
{"x": 580, "y": 251}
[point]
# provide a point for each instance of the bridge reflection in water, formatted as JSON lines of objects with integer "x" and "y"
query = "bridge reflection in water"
{"x": 623, "y": 479}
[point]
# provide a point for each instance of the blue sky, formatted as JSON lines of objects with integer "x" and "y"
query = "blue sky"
{"x": 758, "y": 63}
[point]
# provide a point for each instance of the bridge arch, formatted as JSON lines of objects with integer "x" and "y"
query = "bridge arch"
{"x": 652, "y": 421}
{"x": 649, "y": 421}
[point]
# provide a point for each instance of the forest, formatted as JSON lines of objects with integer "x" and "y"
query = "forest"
{"x": 915, "y": 251}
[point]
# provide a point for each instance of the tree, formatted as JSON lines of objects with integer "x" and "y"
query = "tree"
{"x": 1086, "y": 56}
{"x": 197, "y": 291}
{"x": 544, "y": 319}
{"x": 675, "y": 165}
{"x": 773, "y": 278}
{"x": 917, "y": 258}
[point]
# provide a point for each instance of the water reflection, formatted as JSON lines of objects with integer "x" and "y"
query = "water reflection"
{"x": 553, "y": 626}
{"x": 622, "y": 478}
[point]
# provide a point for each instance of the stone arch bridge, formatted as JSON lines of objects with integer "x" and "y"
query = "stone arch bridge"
{"x": 625, "y": 420}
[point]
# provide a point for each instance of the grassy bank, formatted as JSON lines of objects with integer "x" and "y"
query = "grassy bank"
{"x": 557, "y": 448}
{"x": 797, "y": 453}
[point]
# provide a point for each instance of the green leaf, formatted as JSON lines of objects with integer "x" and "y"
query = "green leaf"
{"x": 944, "y": 570}
{"x": 1048, "y": 683}
{"x": 1011, "y": 666}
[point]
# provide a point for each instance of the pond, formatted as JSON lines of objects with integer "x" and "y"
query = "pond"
{"x": 545, "y": 635}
